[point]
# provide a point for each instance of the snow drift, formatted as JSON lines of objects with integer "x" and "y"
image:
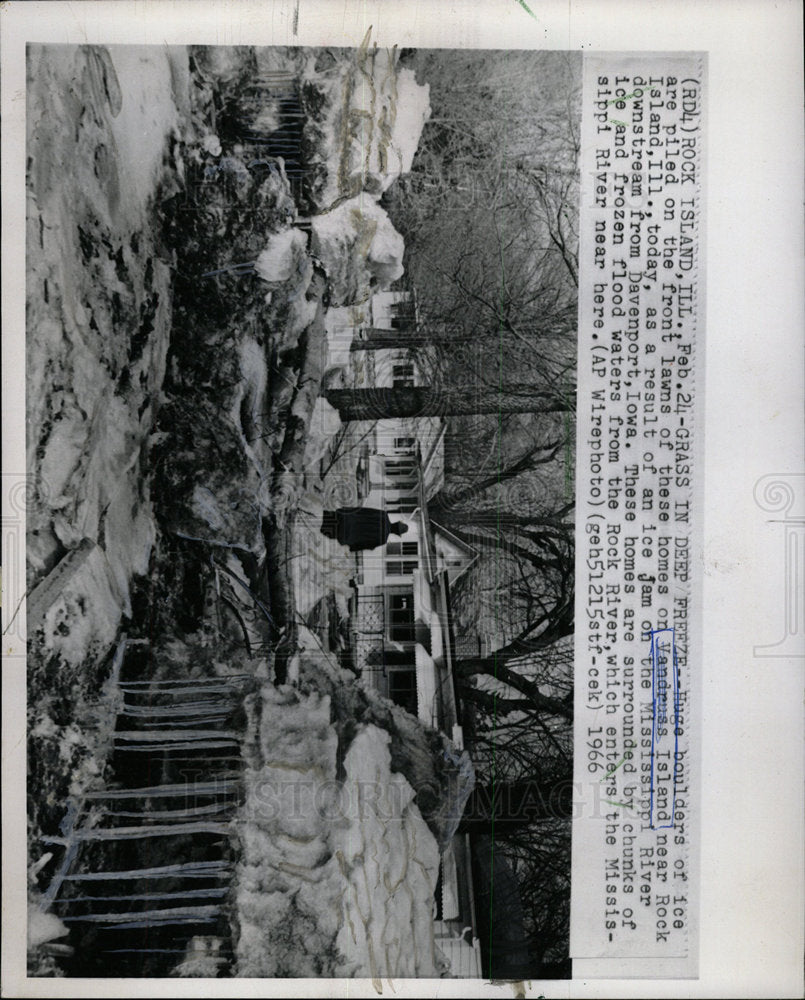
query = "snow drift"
{"x": 98, "y": 326}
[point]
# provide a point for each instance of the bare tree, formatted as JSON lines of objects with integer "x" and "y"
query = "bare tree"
{"x": 432, "y": 401}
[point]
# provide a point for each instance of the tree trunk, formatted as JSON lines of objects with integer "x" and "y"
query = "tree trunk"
{"x": 197, "y": 720}
{"x": 180, "y": 735}
{"x": 176, "y": 745}
{"x": 137, "y": 897}
{"x": 312, "y": 345}
{"x": 140, "y": 832}
{"x": 175, "y": 815}
{"x": 191, "y": 684}
{"x": 146, "y": 918}
{"x": 503, "y": 519}
{"x": 184, "y": 710}
{"x": 441, "y": 401}
{"x": 379, "y": 339}
{"x": 220, "y": 687}
{"x": 495, "y": 666}
{"x": 501, "y": 916}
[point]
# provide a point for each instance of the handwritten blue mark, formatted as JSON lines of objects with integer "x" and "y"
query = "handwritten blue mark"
{"x": 664, "y": 728}
{"x": 527, "y": 9}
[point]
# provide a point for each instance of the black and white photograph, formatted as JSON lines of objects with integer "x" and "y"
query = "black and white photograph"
{"x": 402, "y": 498}
{"x": 300, "y": 369}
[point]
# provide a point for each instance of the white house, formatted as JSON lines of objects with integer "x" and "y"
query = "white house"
{"x": 401, "y": 637}
{"x": 400, "y": 621}
{"x": 403, "y": 645}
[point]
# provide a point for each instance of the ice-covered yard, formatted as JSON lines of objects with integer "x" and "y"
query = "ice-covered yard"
{"x": 98, "y": 302}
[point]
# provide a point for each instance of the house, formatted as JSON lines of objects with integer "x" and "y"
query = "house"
{"x": 402, "y": 642}
{"x": 400, "y": 610}
{"x": 400, "y": 620}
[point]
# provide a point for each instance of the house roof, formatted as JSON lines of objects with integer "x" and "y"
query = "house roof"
{"x": 430, "y": 527}
{"x": 465, "y": 547}
{"x": 433, "y": 463}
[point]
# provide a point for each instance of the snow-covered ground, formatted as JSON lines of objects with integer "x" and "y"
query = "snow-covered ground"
{"x": 98, "y": 326}
{"x": 148, "y": 115}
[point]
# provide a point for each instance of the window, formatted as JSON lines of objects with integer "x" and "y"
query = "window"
{"x": 401, "y": 617}
{"x": 404, "y": 307}
{"x": 401, "y": 567}
{"x": 402, "y": 375}
{"x": 400, "y": 473}
{"x": 402, "y": 689}
{"x": 404, "y": 443}
{"x": 401, "y": 505}
{"x": 402, "y": 548}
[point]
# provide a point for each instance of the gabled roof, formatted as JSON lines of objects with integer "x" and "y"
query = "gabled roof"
{"x": 469, "y": 550}
{"x": 428, "y": 537}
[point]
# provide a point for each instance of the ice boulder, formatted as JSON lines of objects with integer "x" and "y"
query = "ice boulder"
{"x": 225, "y": 512}
{"x": 360, "y": 249}
{"x": 75, "y": 610}
{"x": 364, "y": 121}
{"x": 223, "y": 63}
{"x": 390, "y": 862}
{"x": 211, "y": 144}
{"x": 43, "y": 928}
{"x": 281, "y": 258}
{"x": 324, "y": 425}
{"x": 337, "y": 870}
{"x": 412, "y": 110}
